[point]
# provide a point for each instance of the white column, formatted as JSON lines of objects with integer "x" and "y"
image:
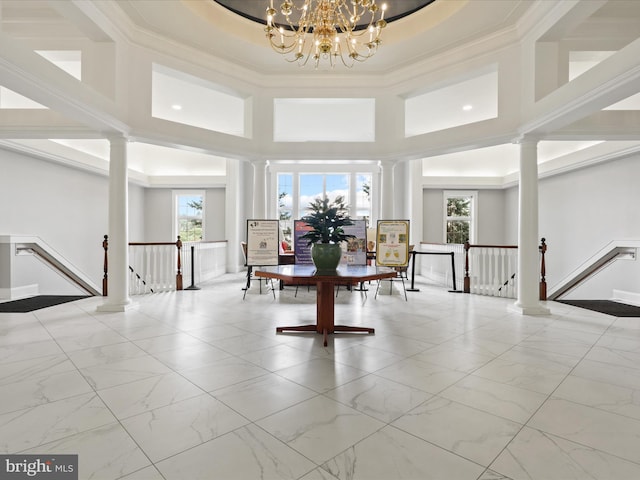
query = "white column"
{"x": 118, "y": 253}
{"x": 259, "y": 189}
{"x": 386, "y": 199}
{"x": 235, "y": 224}
{"x": 528, "y": 302}
{"x": 416, "y": 204}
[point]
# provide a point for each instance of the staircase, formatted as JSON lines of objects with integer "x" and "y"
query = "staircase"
{"x": 35, "y": 246}
{"x": 615, "y": 250}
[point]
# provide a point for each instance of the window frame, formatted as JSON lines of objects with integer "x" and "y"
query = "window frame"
{"x": 175, "y": 212}
{"x": 324, "y": 168}
{"x": 473, "y": 219}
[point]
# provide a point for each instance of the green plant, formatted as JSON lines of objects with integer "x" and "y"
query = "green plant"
{"x": 327, "y": 220}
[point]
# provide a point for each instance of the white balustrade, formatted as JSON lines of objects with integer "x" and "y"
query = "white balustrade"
{"x": 154, "y": 266}
{"x": 493, "y": 271}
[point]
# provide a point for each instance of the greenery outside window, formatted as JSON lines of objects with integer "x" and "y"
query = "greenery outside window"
{"x": 460, "y": 208}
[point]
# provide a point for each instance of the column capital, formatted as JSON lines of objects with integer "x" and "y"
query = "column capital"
{"x": 526, "y": 139}
{"x": 117, "y": 138}
{"x": 387, "y": 164}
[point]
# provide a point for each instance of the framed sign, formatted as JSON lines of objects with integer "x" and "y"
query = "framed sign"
{"x": 392, "y": 243}
{"x": 354, "y": 250}
{"x": 301, "y": 250}
{"x": 263, "y": 237}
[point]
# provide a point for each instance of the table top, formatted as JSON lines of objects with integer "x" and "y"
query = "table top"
{"x": 355, "y": 273}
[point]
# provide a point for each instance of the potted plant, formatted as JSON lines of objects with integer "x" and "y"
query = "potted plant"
{"x": 327, "y": 219}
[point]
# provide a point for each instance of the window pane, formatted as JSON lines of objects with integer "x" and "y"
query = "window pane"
{"x": 311, "y": 187}
{"x": 459, "y": 207}
{"x": 337, "y": 185}
{"x": 190, "y": 217}
{"x": 285, "y": 206}
{"x": 457, "y": 231}
{"x": 363, "y": 196}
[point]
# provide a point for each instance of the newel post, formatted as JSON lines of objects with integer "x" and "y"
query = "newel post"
{"x": 105, "y": 278}
{"x": 467, "y": 280}
{"x": 543, "y": 270}
{"x": 179, "y": 274}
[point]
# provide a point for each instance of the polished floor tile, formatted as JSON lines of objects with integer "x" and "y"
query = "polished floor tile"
{"x": 392, "y": 453}
{"x": 320, "y": 428}
{"x": 198, "y": 385}
{"x": 263, "y": 396}
{"x": 605, "y": 431}
{"x": 379, "y": 397}
{"x": 468, "y": 432}
{"x": 24, "y": 429}
{"x": 538, "y": 455}
{"x": 143, "y": 395}
{"x": 172, "y": 429}
{"x": 247, "y": 452}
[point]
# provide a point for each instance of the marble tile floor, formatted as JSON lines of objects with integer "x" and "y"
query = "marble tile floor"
{"x": 197, "y": 385}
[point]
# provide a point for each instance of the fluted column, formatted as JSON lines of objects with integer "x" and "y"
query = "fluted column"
{"x": 118, "y": 253}
{"x": 528, "y": 302}
{"x": 259, "y": 188}
{"x": 386, "y": 197}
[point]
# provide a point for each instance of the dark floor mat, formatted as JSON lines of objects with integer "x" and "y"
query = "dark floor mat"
{"x": 607, "y": 307}
{"x": 25, "y": 305}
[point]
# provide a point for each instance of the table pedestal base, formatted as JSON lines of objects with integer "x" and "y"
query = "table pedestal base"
{"x": 324, "y": 331}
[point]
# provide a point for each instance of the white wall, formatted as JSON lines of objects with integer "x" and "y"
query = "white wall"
{"x": 432, "y": 224}
{"x": 491, "y": 217}
{"x": 158, "y": 219}
{"x": 158, "y": 214}
{"x": 214, "y": 220}
{"x": 67, "y": 208}
{"x": 580, "y": 212}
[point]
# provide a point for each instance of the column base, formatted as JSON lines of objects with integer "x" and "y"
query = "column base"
{"x": 115, "y": 307}
{"x": 535, "y": 309}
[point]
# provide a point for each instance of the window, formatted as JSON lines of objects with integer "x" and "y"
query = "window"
{"x": 460, "y": 216}
{"x": 285, "y": 207}
{"x": 363, "y": 196}
{"x": 189, "y": 215}
{"x": 297, "y": 190}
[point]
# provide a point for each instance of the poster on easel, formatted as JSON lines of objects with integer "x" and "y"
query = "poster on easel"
{"x": 354, "y": 250}
{"x": 301, "y": 247}
{"x": 392, "y": 243}
{"x": 263, "y": 242}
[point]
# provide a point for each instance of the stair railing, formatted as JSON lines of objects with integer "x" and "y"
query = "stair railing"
{"x": 150, "y": 267}
{"x": 493, "y": 270}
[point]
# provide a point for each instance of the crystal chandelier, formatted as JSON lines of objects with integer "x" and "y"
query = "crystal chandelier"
{"x": 326, "y": 30}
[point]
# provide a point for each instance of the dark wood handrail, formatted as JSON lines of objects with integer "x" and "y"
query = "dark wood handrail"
{"x": 179, "y": 274}
{"x": 543, "y": 269}
{"x": 467, "y": 246}
{"x": 151, "y": 243}
{"x": 105, "y": 246}
{"x": 105, "y": 282}
{"x": 212, "y": 241}
{"x": 542, "y": 248}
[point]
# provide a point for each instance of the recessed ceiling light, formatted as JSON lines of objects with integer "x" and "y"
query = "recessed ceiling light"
{"x": 466, "y": 108}
{"x": 175, "y": 106}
